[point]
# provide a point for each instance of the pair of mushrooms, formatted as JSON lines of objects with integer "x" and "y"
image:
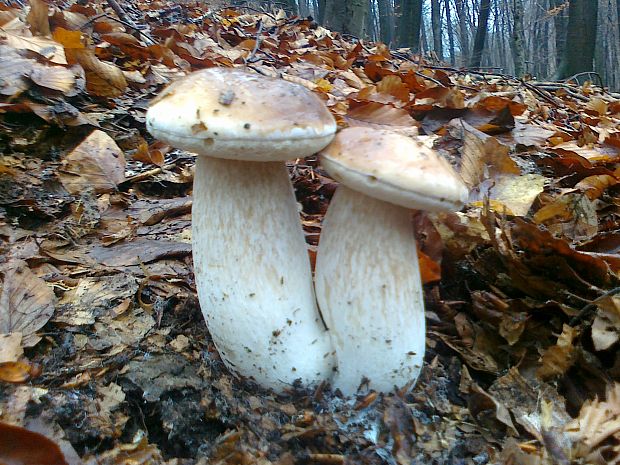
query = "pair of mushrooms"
{"x": 252, "y": 270}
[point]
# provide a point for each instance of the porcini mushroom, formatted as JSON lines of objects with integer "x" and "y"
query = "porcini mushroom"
{"x": 251, "y": 264}
{"x": 367, "y": 275}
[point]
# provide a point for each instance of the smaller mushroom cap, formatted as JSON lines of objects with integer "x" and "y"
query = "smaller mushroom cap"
{"x": 229, "y": 113}
{"x": 394, "y": 168}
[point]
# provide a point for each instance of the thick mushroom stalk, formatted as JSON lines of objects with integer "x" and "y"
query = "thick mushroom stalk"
{"x": 367, "y": 275}
{"x": 251, "y": 263}
{"x": 368, "y": 286}
{"x": 253, "y": 273}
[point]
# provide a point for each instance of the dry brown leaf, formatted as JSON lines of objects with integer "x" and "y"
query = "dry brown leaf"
{"x": 18, "y": 372}
{"x": 594, "y": 186}
{"x": 559, "y": 358}
{"x": 394, "y": 86}
{"x": 13, "y": 71}
{"x": 483, "y": 157}
{"x": 11, "y": 348}
{"x": 571, "y": 215}
{"x": 26, "y": 302}
{"x": 38, "y": 18}
{"x": 97, "y": 164}
{"x": 49, "y": 49}
{"x": 381, "y": 116}
{"x": 102, "y": 79}
{"x": 54, "y": 77}
{"x": 597, "y": 421}
{"x": 606, "y": 325}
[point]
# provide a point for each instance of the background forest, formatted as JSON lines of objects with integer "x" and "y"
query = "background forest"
{"x": 541, "y": 38}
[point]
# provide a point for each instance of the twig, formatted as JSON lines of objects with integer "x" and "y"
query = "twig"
{"x": 330, "y": 459}
{"x": 126, "y": 20}
{"x": 582, "y": 313}
{"x": 252, "y": 57}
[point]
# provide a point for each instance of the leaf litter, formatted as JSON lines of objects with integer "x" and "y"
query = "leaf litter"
{"x": 104, "y": 355}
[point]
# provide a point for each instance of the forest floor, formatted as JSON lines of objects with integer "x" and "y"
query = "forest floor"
{"x": 104, "y": 355}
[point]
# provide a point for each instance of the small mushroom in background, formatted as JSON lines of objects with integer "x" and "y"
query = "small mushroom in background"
{"x": 367, "y": 276}
{"x": 251, "y": 264}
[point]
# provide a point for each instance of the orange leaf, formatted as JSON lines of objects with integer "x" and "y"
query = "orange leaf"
{"x": 430, "y": 271}
{"x": 19, "y": 446}
{"x": 18, "y": 372}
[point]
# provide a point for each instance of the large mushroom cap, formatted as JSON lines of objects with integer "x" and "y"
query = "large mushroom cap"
{"x": 229, "y": 113}
{"x": 394, "y": 168}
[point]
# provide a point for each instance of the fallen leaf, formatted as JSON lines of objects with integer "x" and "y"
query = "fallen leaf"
{"x": 97, "y": 164}
{"x": 557, "y": 359}
{"x": 11, "y": 347}
{"x": 19, "y": 446}
{"x": 26, "y": 302}
{"x": 102, "y": 79}
{"x": 38, "y": 18}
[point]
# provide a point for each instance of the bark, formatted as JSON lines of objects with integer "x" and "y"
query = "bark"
{"x": 463, "y": 32}
{"x": 618, "y": 17}
{"x": 560, "y": 22}
{"x": 436, "y": 27}
{"x": 372, "y": 32}
{"x": 518, "y": 37}
{"x": 409, "y": 24}
{"x": 450, "y": 31}
{"x": 481, "y": 34}
{"x": 321, "y": 11}
{"x": 347, "y": 17}
{"x": 578, "y": 54}
{"x": 386, "y": 21}
{"x": 290, "y": 6}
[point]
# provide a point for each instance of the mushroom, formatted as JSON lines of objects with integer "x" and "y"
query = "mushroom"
{"x": 251, "y": 264}
{"x": 367, "y": 276}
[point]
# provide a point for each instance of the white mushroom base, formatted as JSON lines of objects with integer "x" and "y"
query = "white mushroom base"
{"x": 369, "y": 291}
{"x": 253, "y": 273}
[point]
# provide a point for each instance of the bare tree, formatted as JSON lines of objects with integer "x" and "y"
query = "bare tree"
{"x": 347, "y": 17}
{"x": 578, "y": 55}
{"x": 463, "y": 30}
{"x": 386, "y": 21}
{"x": 409, "y": 24}
{"x": 450, "y": 30}
{"x": 481, "y": 33}
{"x": 436, "y": 28}
{"x": 518, "y": 37}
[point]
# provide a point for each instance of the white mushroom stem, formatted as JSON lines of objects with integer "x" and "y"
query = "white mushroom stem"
{"x": 253, "y": 273}
{"x": 370, "y": 293}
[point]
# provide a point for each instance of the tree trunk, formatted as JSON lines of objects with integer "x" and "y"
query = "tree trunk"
{"x": 436, "y": 27}
{"x": 290, "y": 6}
{"x": 320, "y": 16}
{"x": 618, "y": 17}
{"x": 463, "y": 32}
{"x": 409, "y": 24}
{"x": 371, "y": 22}
{"x": 451, "y": 31}
{"x": 518, "y": 37}
{"x": 580, "y": 40}
{"x": 560, "y": 22}
{"x": 386, "y": 21}
{"x": 481, "y": 34}
{"x": 347, "y": 17}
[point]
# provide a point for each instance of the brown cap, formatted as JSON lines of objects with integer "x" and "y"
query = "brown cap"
{"x": 229, "y": 113}
{"x": 394, "y": 168}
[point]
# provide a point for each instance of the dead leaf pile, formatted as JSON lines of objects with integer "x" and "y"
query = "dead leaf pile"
{"x": 104, "y": 354}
